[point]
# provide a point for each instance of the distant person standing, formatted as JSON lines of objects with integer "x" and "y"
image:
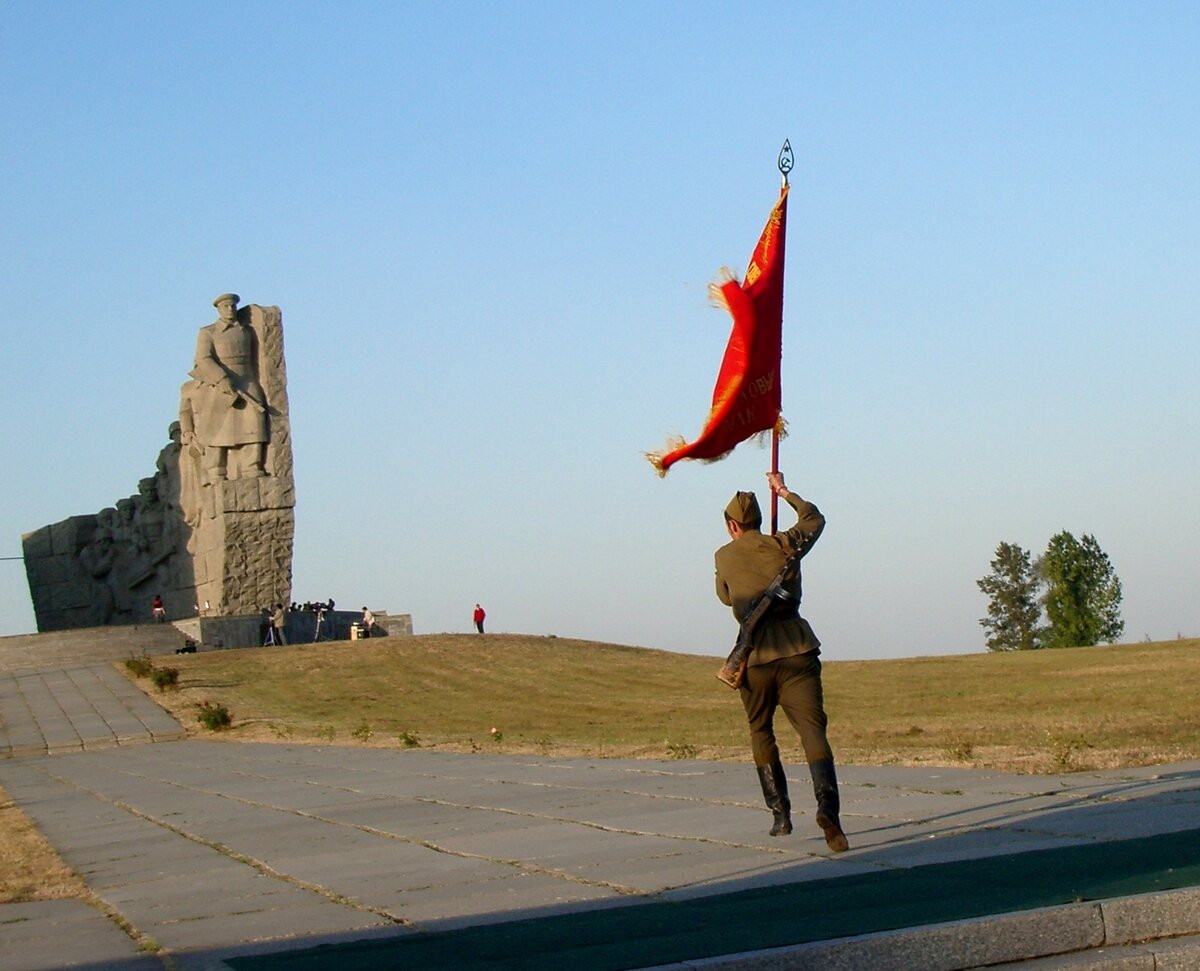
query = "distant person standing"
{"x": 368, "y": 621}
{"x": 479, "y": 617}
{"x": 158, "y": 609}
{"x": 278, "y": 619}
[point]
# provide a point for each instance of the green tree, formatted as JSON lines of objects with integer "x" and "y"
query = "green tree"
{"x": 1083, "y": 593}
{"x": 1013, "y": 609}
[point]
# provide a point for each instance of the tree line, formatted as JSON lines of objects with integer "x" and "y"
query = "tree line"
{"x": 1073, "y": 583}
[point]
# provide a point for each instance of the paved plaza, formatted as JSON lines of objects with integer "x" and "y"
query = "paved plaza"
{"x": 210, "y": 854}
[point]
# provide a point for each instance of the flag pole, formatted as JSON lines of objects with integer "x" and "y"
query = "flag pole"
{"x": 785, "y": 162}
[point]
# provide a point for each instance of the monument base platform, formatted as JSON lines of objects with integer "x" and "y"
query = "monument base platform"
{"x": 301, "y": 627}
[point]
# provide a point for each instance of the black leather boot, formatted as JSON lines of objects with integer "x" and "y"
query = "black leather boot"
{"x": 774, "y": 788}
{"x": 829, "y": 804}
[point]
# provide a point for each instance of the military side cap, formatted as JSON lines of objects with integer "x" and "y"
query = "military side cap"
{"x": 743, "y": 508}
{"x": 226, "y": 296}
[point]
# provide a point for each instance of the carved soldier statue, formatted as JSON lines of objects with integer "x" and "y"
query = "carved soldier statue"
{"x": 214, "y": 523}
{"x": 228, "y": 417}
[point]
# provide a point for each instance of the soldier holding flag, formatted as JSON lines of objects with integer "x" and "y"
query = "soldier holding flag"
{"x": 759, "y": 575}
{"x": 784, "y": 665}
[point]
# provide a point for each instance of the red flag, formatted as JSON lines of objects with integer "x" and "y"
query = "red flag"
{"x": 746, "y": 400}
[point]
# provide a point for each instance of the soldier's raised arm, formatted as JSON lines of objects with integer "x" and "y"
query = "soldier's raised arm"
{"x": 810, "y": 522}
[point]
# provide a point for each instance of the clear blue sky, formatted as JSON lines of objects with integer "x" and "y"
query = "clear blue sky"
{"x": 490, "y": 228}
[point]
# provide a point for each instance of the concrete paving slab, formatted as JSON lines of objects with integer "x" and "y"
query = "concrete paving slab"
{"x": 358, "y": 866}
{"x": 293, "y": 922}
{"x": 214, "y": 959}
{"x": 679, "y": 869}
{"x": 1130, "y": 819}
{"x": 962, "y": 844}
{"x": 751, "y": 878}
{"x": 54, "y": 934}
{"x": 483, "y": 901}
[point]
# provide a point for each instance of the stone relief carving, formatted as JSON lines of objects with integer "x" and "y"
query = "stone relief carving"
{"x": 214, "y": 523}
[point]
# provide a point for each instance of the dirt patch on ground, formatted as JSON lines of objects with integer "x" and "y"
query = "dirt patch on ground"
{"x": 30, "y": 869}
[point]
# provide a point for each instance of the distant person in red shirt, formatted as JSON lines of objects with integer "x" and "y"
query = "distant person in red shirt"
{"x": 478, "y": 618}
{"x": 158, "y": 610}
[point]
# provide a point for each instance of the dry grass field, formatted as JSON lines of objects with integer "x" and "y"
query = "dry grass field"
{"x": 1036, "y": 712}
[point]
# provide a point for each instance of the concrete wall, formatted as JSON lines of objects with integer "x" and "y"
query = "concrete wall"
{"x": 249, "y": 630}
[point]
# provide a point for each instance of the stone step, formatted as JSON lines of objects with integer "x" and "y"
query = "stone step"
{"x": 1179, "y": 953}
{"x": 69, "y": 648}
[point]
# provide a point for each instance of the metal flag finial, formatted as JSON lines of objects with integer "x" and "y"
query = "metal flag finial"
{"x": 786, "y": 160}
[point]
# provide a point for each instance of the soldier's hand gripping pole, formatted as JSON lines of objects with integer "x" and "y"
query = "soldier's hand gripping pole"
{"x": 776, "y": 595}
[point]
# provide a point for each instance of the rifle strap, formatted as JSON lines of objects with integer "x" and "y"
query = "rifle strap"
{"x": 760, "y": 608}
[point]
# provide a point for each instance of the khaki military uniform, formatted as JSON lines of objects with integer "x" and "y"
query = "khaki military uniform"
{"x": 784, "y": 669}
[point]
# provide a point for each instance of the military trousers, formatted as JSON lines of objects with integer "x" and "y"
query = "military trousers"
{"x": 793, "y": 684}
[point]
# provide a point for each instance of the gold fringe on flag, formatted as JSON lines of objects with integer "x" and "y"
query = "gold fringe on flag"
{"x": 655, "y": 458}
{"x": 716, "y": 296}
{"x": 678, "y": 441}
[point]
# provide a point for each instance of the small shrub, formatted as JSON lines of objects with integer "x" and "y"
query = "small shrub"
{"x": 363, "y": 733}
{"x": 281, "y": 731}
{"x": 1065, "y": 750}
{"x": 962, "y": 751}
{"x": 409, "y": 739}
{"x": 326, "y": 732}
{"x": 164, "y": 678}
{"x": 139, "y": 667}
{"x": 214, "y": 717}
{"x": 681, "y": 750}
{"x": 497, "y": 735}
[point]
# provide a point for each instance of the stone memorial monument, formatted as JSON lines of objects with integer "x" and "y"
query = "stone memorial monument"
{"x": 211, "y": 531}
